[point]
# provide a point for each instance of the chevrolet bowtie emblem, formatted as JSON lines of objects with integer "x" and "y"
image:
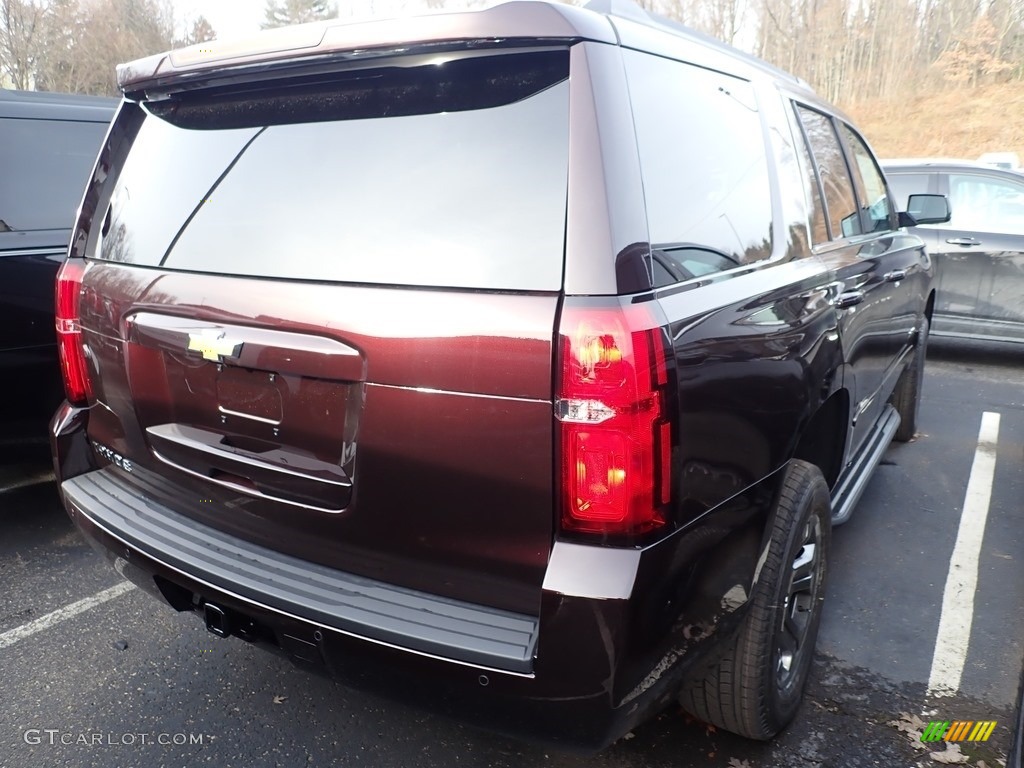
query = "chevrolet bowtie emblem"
{"x": 213, "y": 345}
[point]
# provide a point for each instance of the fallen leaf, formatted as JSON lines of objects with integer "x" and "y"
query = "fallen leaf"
{"x": 280, "y": 699}
{"x": 709, "y": 728}
{"x": 629, "y": 736}
{"x": 952, "y": 755}
{"x": 912, "y": 725}
{"x": 734, "y": 763}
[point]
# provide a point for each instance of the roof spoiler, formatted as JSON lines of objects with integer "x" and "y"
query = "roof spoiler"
{"x": 498, "y": 25}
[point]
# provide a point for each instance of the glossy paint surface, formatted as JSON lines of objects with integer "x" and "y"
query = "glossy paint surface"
{"x": 434, "y": 406}
{"x": 878, "y": 332}
{"x": 28, "y": 353}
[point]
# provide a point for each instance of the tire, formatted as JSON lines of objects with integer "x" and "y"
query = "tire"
{"x": 753, "y": 685}
{"x": 906, "y": 397}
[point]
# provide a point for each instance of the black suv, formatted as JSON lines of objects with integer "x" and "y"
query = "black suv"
{"x": 48, "y": 144}
{"x": 979, "y": 252}
{"x": 518, "y": 361}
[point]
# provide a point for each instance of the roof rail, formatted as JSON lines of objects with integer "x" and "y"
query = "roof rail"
{"x": 628, "y": 9}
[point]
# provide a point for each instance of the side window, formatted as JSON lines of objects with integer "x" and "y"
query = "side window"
{"x": 840, "y": 201}
{"x": 819, "y": 227}
{"x": 870, "y": 184}
{"x": 903, "y": 185}
{"x": 51, "y": 160}
{"x": 704, "y": 167}
{"x": 986, "y": 204}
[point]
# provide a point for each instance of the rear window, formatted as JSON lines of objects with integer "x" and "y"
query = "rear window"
{"x": 432, "y": 172}
{"x": 46, "y": 165}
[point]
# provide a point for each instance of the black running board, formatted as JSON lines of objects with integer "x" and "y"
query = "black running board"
{"x": 855, "y": 479}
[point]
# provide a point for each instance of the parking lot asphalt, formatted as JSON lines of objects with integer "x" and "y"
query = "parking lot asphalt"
{"x": 116, "y": 679}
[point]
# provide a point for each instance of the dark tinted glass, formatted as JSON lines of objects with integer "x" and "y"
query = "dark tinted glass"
{"x": 450, "y": 174}
{"x": 840, "y": 203}
{"x": 870, "y": 185}
{"x": 45, "y": 165}
{"x": 705, "y": 174}
{"x": 904, "y": 185}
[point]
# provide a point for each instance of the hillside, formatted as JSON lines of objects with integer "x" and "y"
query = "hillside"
{"x": 962, "y": 123}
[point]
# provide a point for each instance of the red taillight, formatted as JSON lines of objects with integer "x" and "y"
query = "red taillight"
{"x": 612, "y": 405}
{"x": 69, "y": 333}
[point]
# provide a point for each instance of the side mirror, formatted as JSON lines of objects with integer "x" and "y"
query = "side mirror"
{"x": 925, "y": 209}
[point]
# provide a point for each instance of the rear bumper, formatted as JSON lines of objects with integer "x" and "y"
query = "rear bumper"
{"x": 373, "y": 610}
{"x": 614, "y": 633}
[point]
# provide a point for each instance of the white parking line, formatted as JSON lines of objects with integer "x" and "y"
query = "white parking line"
{"x": 962, "y": 580}
{"x": 11, "y": 636}
{"x": 24, "y": 481}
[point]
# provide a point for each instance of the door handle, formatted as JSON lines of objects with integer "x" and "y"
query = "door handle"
{"x": 895, "y": 276}
{"x": 849, "y": 299}
{"x": 964, "y": 241}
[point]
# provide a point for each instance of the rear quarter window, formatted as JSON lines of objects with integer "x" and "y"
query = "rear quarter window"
{"x": 704, "y": 167}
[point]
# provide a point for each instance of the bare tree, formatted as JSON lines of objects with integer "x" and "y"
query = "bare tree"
{"x": 201, "y": 31}
{"x": 973, "y": 55}
{"x": 61, "y": 68}
{"x": 20, "y": 40}
{"x": 851, "y": 51}
{"x": 97, "y": 35}
{"x": 720, "y": 18}
{"x": 677, "y": 10}
{"x": 280, "y": 13}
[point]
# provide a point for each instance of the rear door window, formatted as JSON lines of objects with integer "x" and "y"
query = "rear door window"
{"x": 840, "y": 201}
{"x": 45, "y": 164}
{"x": 870, "y": 185}
{"x": 441, "y": 172}
{"x": 812, "y": 190}
{"x": 704, "y": 167}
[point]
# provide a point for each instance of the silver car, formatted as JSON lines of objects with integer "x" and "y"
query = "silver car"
{"x": 979, "y": 253}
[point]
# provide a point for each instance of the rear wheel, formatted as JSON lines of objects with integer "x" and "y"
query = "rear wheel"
{"x": 754, "y": 684}
{"x": 907, "y": 395}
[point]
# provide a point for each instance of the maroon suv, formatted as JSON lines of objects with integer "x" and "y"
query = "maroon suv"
{"x": 517, "y": 361}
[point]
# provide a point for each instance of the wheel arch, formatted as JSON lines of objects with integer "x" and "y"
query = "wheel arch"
{"x": 822, "y": 440}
